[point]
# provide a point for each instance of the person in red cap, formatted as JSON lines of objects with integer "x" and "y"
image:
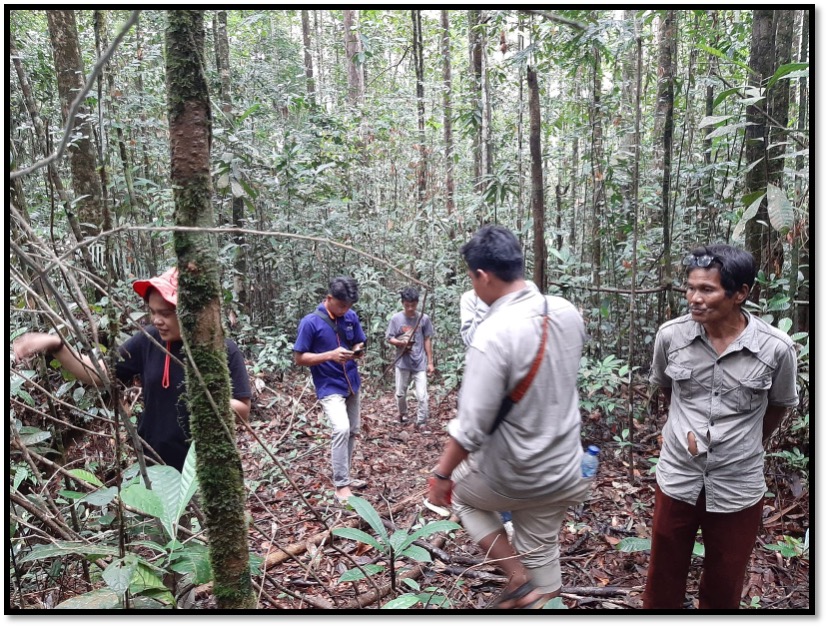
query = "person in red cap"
{"x": 156, "y": 356}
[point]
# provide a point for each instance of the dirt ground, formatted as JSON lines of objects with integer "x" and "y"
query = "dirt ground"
{"x": 302, "y": 568}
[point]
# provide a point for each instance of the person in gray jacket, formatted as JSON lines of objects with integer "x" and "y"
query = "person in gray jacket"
{"x": 529, "y": 463}
{"x": 729, "y": 379}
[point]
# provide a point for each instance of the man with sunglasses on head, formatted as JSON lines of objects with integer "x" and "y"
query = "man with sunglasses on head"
{"x": 729, "y": 379}
{"x": 156, "y": 356}
{"x": 329, "y": 341}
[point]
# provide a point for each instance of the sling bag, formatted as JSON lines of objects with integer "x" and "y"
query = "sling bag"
{"x": 333, "y": 326}
{"x": 520, "y": 390}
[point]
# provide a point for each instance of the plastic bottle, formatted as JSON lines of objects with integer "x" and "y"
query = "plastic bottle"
{"x": 589, "y": 462}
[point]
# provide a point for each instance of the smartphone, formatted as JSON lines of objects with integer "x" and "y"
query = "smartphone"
{"x": 359, "y": 352}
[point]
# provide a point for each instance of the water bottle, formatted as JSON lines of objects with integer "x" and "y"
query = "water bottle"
{"x": 589, "y": 462}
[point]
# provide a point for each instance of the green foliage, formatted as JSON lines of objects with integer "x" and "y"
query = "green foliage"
{"x": 599, "y": 382}
{"x": 397, "y": 545}
{"x": 790, "y": 547}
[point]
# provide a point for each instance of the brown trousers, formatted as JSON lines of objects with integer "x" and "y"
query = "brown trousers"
{"x": 728, "y": 542}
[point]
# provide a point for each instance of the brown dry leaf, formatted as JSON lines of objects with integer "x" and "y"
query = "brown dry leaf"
{"x": 611, "y": 540}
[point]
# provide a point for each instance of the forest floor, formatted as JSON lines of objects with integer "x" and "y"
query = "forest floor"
{"x": 302, "y": 568}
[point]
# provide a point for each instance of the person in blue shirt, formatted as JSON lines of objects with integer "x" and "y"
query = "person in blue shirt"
{"x": 329, "y": 341}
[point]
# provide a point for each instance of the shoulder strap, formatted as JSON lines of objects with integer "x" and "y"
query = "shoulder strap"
{"x": 520, "y": 390}
{"x": 332, "y": 325}
{"x": 327, "y": 319}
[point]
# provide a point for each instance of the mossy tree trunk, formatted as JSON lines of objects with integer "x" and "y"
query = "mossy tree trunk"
{"x": 208, "y": 380}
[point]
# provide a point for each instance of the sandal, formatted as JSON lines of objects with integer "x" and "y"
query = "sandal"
{"x": 515, "y": 594}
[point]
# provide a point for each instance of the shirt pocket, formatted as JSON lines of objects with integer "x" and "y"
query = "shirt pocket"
{"x": 682, "y": 377}
{"x": 349, "y": 333}
{"x": 754, "y": 392}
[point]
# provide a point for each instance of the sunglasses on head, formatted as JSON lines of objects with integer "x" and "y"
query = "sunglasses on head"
{"x": 700, "y": 261}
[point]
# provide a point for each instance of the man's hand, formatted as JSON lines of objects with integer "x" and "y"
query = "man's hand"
{"x": 33, "y": 343}
{"x": 341, "y": 355}
{"x": 439, "y": 491}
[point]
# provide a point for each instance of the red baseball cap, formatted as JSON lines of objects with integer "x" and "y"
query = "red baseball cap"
{"x": 166, "y": 284}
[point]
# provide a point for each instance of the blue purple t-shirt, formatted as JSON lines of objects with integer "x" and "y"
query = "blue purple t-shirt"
{"x": 315, "y": 335}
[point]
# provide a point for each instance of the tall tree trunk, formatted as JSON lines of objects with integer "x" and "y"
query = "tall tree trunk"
{"x": 42, "y": 142}
{"x": 352, "y": 48}
{"x": 306, "y": 47}
{"x": 223, "y": 60}
{"x": 63, "y": 32}
{"x": 762, "y": 50}
{"x": 539, "y": 219}
{"x": 417, "y": 32}
{"x": 664, "y": 116}
{"x": 239, "y": 219}
{"x": 476, "y": 95}
{"x": 213, "y": 424}
{"x": 800, "y": 247}
{"x": 447, "y": 122}
{"x": 779, "y": 101}
{"x": 598, "y": 197}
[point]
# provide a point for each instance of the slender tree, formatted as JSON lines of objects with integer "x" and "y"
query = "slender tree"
{"x": 86, "y": 183}
{"x": 306, "y": 47}
{"x": 356, "y": 86}
{"x": 448, "y": 138}
{"x": 538, "y": 211}
{"x": 213, "y": 425}
{"x": 762, "y": 51}
{"x": 664, "y": 118}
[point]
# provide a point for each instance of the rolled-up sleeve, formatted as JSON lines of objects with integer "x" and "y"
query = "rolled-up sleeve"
{"x": 658, "y": 376}
{"x": 783, "y": 390}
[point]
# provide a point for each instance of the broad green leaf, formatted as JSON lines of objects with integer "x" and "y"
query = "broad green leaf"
{"x": 101, "y": 497}
{"x": 748, "y": 214}
{"x": 411, "y": 583}
{"x": 407, "y": 600}
{"x": 724, "y": 56}
{"x": 730, "y": 128}
{"x": 118, "y": 574}
{"x": 238, "y": 190}
{"x": 432, "y": 527}
{"x": 398, "y": 540}
{"x": 143, "y": 499}
{"x": 362, "y": 537}
{"x": 633, "y": 544}
{"x": 780, "y": 210}
{"x": 417, "y": 553}
{"x": 145, "y": 579}
{"x": 698, "y": 550}
{"x": 66, "y": 548}
{"x": 84, "y": 475}
{"x": 786, "y": 70}
{"x": 193, "y": 559}
{"x": 174, "y": 490}
{"x": 365, "y": 510}
{"x": 99, "y": 599}
{"x": 352, "y": 575}
{"x": 711, "y": 120}
{"x": 35, "y": 437}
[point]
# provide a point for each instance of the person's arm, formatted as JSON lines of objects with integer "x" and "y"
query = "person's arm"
{"x": 773, "y": 417}
{"x": 81, "y": 366}
{"x": 427, "y": 346}
{"x": 440, "y": 490}
{"x": 241, "y": 407}
{"x": 340, "y": 354}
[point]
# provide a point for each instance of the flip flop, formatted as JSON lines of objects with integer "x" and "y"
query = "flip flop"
{"x": 516, "y": 594}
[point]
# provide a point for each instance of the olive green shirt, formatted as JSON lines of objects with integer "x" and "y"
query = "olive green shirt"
{"x": 722, "y": 399}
